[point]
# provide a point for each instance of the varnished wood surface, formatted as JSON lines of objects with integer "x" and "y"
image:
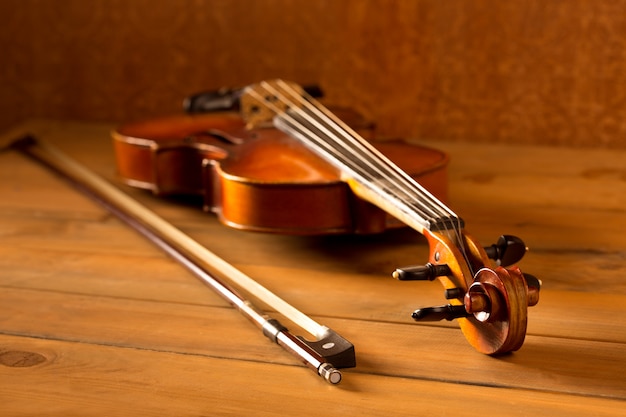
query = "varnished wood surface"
{"x": 97, "y": 321}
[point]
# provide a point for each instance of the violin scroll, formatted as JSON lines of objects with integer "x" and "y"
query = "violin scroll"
{"x": 490, "y": 303}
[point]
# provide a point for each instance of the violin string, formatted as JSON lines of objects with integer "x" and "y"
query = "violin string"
{"x": 395, "y": 175}
{"x": 317, "y": 139}
{"x": 333, "y": 128}
{"x": 402, "y": 181}
{"x": 362, "y": 176}
{"x": 298, "y": 127}
{"x": 365, "y": 174}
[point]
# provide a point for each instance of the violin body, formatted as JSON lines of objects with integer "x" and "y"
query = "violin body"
{"x": 262, "y": 179}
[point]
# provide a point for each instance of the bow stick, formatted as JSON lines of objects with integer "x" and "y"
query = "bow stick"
{"x": 325, "y": 355}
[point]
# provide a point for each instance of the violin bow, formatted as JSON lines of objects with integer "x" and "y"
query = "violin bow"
{"x": 489, "y": 302}
{"x": 325, "y": 355}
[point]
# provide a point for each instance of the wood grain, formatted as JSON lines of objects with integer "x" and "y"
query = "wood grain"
{"x": 129, "y": 380}
{"x": 97, "y": 321}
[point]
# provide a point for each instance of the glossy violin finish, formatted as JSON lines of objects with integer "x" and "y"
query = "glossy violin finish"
{"x": 352, "y": 185}
{"x": 261, "y": 179}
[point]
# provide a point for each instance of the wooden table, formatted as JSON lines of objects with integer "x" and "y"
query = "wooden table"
{"x": 97, "y": 321}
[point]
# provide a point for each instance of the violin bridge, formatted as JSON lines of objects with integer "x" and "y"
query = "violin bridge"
{"x": 261, "y": 102}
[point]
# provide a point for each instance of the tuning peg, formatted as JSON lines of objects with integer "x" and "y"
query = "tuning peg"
{"x": 426, "y": 272}
{"x": 507, "y": 250}
{"x": 445, "y": 312}
{"x": 452, "y": 293}
{"x": 534, "y": 287}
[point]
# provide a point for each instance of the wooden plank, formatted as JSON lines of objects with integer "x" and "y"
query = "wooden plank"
{"x": 126, "y": 265}
{"x": 78, "y": 241}
{"x": 574, "y": 250}
{"x": 132, "y": 268}
{"x": 90, "y": 380}
{"x": 425, "y": 352}
{"x": 70, "y": 272}
{"x": 562, "y": 265}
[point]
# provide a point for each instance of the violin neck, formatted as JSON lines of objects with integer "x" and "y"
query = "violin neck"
{"x": 370, "y": 174}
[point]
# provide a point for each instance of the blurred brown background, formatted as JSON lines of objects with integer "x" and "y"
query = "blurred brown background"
{"x": 517, "y": 71}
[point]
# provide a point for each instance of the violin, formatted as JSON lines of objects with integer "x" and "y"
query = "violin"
{"x": 285, "y": 163}
{"x": 261, "y": 179}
